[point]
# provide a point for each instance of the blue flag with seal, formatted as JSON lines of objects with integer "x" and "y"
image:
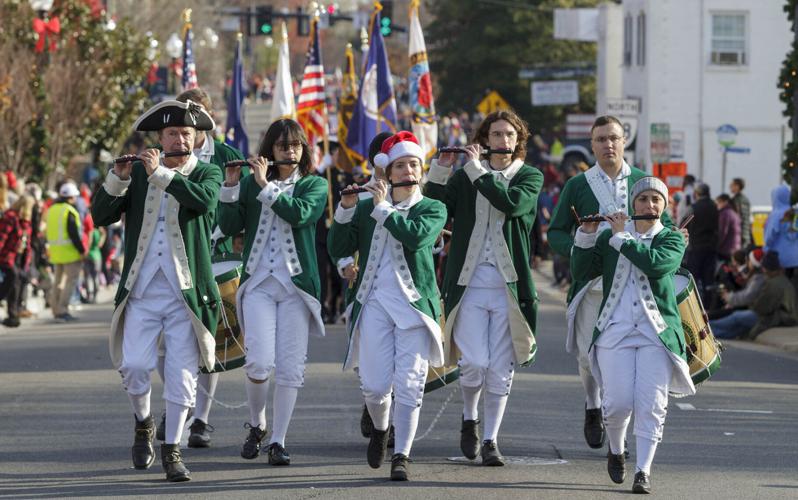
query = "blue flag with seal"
{"x": 375, "y": 110}
{"x": 235, "y": 135}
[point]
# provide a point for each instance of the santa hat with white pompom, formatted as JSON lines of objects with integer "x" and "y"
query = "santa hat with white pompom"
{"x": 397, "y": 146}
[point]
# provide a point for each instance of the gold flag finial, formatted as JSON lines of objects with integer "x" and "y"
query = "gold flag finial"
{"x": 187, "y": 15}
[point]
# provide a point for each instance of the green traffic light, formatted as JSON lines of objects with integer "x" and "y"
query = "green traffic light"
{"x": 266, "y": 29}
{"x": 385, "y": 30}
{"x": 386, "y": 22}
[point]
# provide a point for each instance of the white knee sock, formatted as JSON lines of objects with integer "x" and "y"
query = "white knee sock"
{"x": 162, "y": 368}
{"x": 405, "y": 423}
{"x": 494, "y": 412}
{"x": 207, "y": 388}
{"x": 592, "y": 389}
{"x": 256, "y": 396}
{"x": 380, "y": 414}
{"x": 471, "y": 402}
{"x": 175, "y": 421}
{"x": 617, "y": 438}
{"x": 284, "y": 401}
{"x": 645, "y": 453}
{"x": 141, "y": 404}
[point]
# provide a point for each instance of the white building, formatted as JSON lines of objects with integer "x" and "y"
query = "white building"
{"x": 700, "y": 64}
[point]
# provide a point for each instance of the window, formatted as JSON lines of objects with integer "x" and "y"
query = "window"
{"x": 641, "y": 39}
{"x": 729, "y": 40}
{"x": 627, "y": 41}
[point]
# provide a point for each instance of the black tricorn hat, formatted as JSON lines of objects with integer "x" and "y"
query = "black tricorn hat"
{"x": 174, "y": 114}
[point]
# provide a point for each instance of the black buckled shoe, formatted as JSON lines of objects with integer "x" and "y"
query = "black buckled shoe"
{"x": 160, "y": 433}
{"x": 642, "y": 483}
{"x": 616, "y": 467}
{"x": 366, "y": 424}
{"x": 172, "y": 461}
{"x": 491, "y": 456}
{"x": 278, "y": 455}
{"x": 143, "y": 453}
{"x": 200, "y": 434}
{"x": 400, "y": 466}
{"x": 594, "y": 428}
{"x": 251, "y": 448}
{"x": 378, "y": 445}
{"x": 469, "y": 438}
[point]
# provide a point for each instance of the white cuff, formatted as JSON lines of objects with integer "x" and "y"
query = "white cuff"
{"x": 585, "y": 240}
{"x": 381, "y": 211}
{"x": 114, "y": 185}
{"x": 161, "y": 177}
{"x": 474, "y": 170}
{"x": 268, "y": 195}
{"x": 438, "y": 174}
{"x": 344, "y": 215}
{"x": 619, "y": 238}
{"x": 229, "y": 194}
{"x": 342, "y": 263}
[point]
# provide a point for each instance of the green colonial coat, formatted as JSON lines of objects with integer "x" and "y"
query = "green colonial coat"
{"x": 518, "y": 201}
{"x": 577, "y": 194}
{"x": 197, "y": 196}
{"x": 222, "y": 153}
{"x": 417, "y": 233}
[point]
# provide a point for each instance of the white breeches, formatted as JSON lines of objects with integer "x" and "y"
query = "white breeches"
{"x": 160, "y": 309}
{"x": 391, "y": 358}
{"x": 276, "y": 322}
{"x": 584, "y": 324}
{"x": 635, "y": 378}
{"x": 482, "y": 333}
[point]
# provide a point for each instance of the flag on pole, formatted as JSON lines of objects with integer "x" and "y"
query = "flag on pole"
{"x": 189, "y": 79}
{"x": 235, "y": 134}
{"x": 422, "y": 104}
{"x": 283, "y": 93}
{"x": 375, "y": 110}
{"x": 347, "y": 105}
{"x": 311, "y": 108}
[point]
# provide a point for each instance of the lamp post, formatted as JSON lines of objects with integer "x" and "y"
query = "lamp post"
{"x": 174, "y": 48}
{"x": 37, "y": 152}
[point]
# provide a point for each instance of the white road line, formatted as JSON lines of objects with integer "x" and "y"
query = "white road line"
{"x": 689, "y": 407}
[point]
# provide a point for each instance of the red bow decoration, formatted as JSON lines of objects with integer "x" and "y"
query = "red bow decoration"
{"x": 45, "y": 29}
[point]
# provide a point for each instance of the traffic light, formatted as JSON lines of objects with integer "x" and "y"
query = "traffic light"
{"x": 263, "y": 20}
{"x": 386, "y": 18}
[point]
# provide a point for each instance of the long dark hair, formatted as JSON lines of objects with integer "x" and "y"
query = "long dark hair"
{"x": 287, "y": 130}
{"x": 520, "y": 126}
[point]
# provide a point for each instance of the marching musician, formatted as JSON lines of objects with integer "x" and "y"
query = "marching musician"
{"x": 638, "y": 351}
{"x": 602, "y": 189}
{"x": 278, "y": 301}
{"x": 394, "y": 331}
{"x": 166, "y": 281}
{"x": 488, "y": 292}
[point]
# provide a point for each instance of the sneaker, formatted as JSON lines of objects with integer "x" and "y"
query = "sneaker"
{"x": 142, "y": 451}
{"x": 642, "y": 483}
{"x": 469, "y": 438}
{"x": 172, "y": 461}
{"x": 251, "y": 448}
{"x": 594, "y": 428}
{"x": 399, "y": 467}
{"x": 491, "y": 456}
{"x": 200, "y": 434}
{"x": 278, "y": 455}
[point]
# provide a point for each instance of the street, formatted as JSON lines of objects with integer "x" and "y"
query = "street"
{"x": 66, "y": 428}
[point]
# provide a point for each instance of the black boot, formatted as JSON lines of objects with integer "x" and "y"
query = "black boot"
{"x": 399, "y": 467}
{"x": 491, "y": 456}
{"x": 378, "y": 445}
{"x": 642, "y": 483}
{"x": 143, "y": 453}
{"x": 366, "y": 424}
{"x": 469, "y": 438}
{"x": 278, "y": 455}
{"x": 594, "y": 428}
{"x": 616, "y": 467}
{"x": 251, "y": 448}
{"x": 172, "y": 462}
{"x": 200, "y": 434}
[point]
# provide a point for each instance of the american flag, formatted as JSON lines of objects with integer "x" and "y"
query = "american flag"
{"x": 189, "y": 79}
{"x": 311, "y": 106}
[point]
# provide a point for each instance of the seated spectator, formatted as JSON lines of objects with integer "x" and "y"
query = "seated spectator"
{"x": 740, "y": 281}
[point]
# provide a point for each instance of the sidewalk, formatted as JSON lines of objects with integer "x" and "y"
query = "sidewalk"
{"x": 86, "y": 313}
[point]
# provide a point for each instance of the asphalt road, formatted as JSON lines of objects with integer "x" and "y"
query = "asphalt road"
{"x": 66, "y": 429}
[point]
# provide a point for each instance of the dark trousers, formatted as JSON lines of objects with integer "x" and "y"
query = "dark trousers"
{"x": 701, "y": 264}
{"x": 10, "y": 289}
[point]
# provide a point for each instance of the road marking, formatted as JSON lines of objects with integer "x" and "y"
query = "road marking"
{"x": 689, "y": 407}
{"x": 517, "y": 460}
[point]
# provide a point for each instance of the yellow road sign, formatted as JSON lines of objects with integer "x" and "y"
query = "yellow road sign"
{"x": 492, "y": 102}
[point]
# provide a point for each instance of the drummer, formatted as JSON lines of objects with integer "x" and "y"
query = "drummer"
{"x": 168, "y": 205}
{"x": 278, "y": 301}
{"x": 394, "y": 331}
{"x": 638, "y": 353}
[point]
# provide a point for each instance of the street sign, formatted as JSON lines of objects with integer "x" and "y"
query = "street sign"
{"x": 738, "y": 150}
{"x": 727, "y": 134}
{"x": 555, "y": 92}
{"x": 677, "y": 144}
{"x": 492, "y": 102}
{"x": 660, "y": 142}
{"x": 629, "y": 129}
{"x": 623, "y": 107}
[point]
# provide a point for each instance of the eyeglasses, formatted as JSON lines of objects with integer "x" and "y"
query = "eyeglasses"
{"x": 498, "y": 135}
{"x": 285, "y": 146}
{"x": 601, "y": 139}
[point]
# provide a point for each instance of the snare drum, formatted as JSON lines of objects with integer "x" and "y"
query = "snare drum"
{"x": 229, "y": 337}
{"x": 703, "y": 351}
